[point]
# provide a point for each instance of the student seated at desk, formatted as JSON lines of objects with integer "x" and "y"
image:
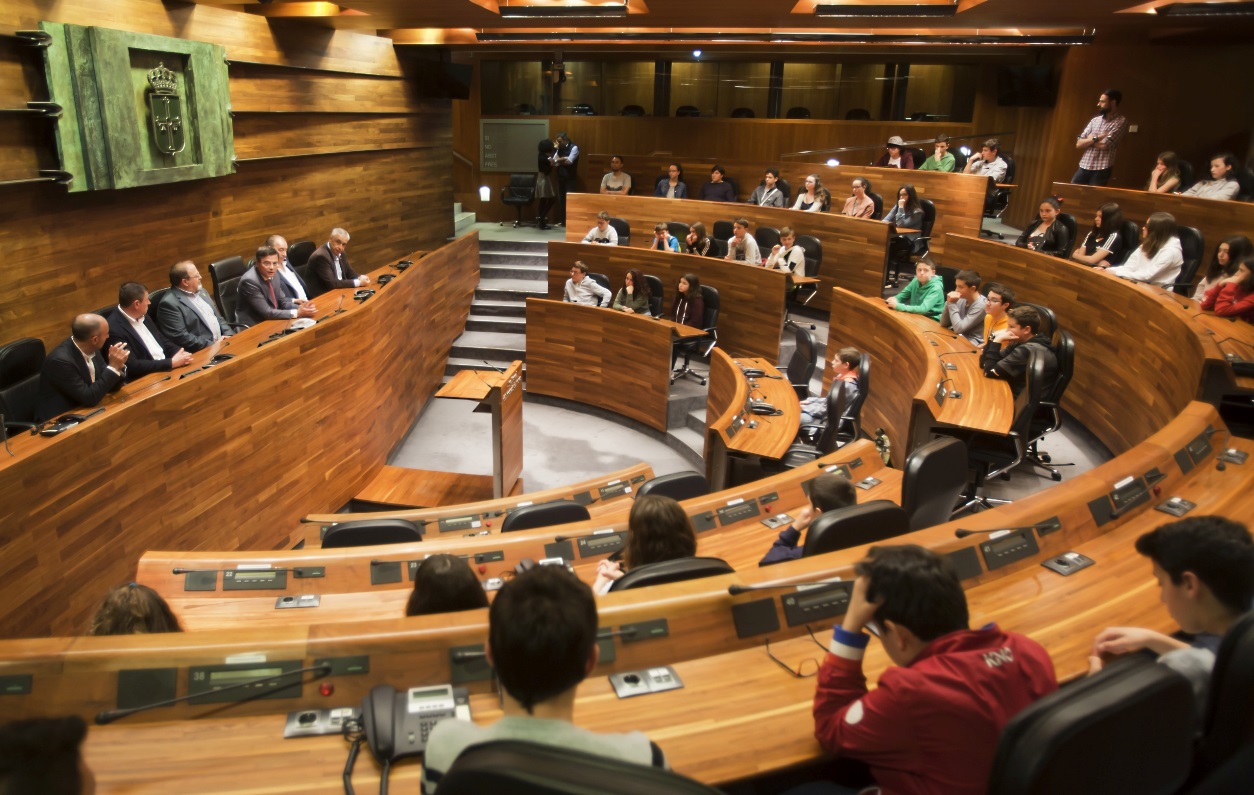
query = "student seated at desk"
{"x": 658, "y": 530}
{"x": 845, "y": 369}
{"x": 445, "y": 584}
{"x": 1234, "y": 296}
{"x": 787, "y": 255}
{"x": 1007, "y": 354}
{"x": 828, "y": 492}
{"x": 716, "y": 190}
{"x": 924, "y": 295}
{"x": 1228, "y": 254}
{"x": 859, "y": 204}
{"x": 542, "y": 631}
{"x": 616, "y": 181}
{"x": 1205, "y": 571}
{"x": 633, "y": 297}
{"x": 663, "y": 240}
{"x": 582, "y": 290}
{"x": 964, "y": 307}
{"x": 1159, "y": 258}
{"x": 997, "y": 303}
{"x": 672, "y": 186}
{"x": 44, "y": 756}
{"x": 1046, "y": 233}
{"x": 699, "y": 243}
{"x": 768, "y": 193}
{"x": 1103, "y": 244}
{"x": 741, "y": 247}
{"x": 815, "y": 198}
{"x": 932, "y": 723}
{"x": 1222, "y": 184}
{"x": 602, "y": 234}
{"x": 133, "y": 609}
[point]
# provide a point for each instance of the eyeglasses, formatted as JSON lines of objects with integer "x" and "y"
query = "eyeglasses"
{"x": 991, "y": 300}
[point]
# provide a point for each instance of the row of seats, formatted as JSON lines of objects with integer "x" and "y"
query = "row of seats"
{"x": 692, "y": 111}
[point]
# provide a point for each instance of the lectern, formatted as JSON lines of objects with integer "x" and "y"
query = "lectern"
{"x": 500, "y": 394}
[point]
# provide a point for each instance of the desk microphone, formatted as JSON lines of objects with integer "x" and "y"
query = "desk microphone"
{"x": 320, "y": 671}
{"x": 943, "y": 334}
{"x": 953, "y": 394}
{"x": 468, "y": 656}
{"x": 734, "y": 590}
{"x": 602, "y": 532}
{"x": 1220, "y": 466}
{"x": 297, "y": 572}
{"x": 833, "y": 467}
{"x": 947, "y": 365}
{"x": 960, "y": 533}
{"x": 126, "y": 395}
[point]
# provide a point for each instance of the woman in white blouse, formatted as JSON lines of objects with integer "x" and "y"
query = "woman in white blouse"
{"x": 1159, "y": 258}
{"x": 815, "y": 198}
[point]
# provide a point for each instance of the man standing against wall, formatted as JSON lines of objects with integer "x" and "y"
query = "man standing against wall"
{"x": 1100, "y": 139}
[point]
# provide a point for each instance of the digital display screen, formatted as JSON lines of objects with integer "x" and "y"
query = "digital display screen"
{"x": 1004, "y": 544}
{"x": 430, "y": 694}
{"x": 235, "y": 677}
{"x": 834, "y": 596}
{"x": 607, "y": 541}
{"x": 255, "y": 576}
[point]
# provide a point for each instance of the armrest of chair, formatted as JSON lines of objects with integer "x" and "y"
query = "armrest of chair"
{"x": 802, "y": 390}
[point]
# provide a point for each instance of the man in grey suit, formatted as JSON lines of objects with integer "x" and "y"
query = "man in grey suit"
{"x": 264, "y": 296}
{"x": 186, "y": 313}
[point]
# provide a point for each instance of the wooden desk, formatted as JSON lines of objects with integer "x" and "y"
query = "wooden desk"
{"x": 751, "y": 300}
{"x": 1122, "y": 339}
{"x": 1214, "y": 219}
{"x": 855, "y": 250}
{"x": 1235, "y": 339}
{"x": 905, "y": 370}
{"x": 231, "y": 454}
{"x": 731, "y": 699}
{"x": 608, "y": 359}
{"x": 501, "y": 396}
{"x": 731, "y": 430}
{"x": 959, "y": 198}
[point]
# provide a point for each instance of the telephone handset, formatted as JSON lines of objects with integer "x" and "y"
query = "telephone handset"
{"x": 397, "y": 723}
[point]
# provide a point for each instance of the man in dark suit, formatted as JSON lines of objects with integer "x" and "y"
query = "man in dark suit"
{"x": 291, "y": 279}
{"x": 76, "y": 373}
{"x": 186, "y": 312}
{"x": 151, "y": 351}
{"x": 328, "y": 266}
{"x": 263, "y": 296}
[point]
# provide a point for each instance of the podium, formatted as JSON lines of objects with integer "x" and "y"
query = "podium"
{"x": 500, "y": 394}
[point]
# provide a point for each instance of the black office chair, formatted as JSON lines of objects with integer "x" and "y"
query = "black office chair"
{"x": 705, "y": 344}
{"x": 300, "y": 253}
{"x": 371, "y": 532}
{"x": 657, "y": 294}
{"x": 1245, "y": 179}
{"x": 677, "y": 486}
{"x": 1000, "y": 196}
{"x": 106, "y": 312}
{"x": 678, "y": 230}
{"x": 827, "y": 437}
{"x": 519, "y": 193}
{"x": 1228, "y": 720}
{"x": 797, "y": 112}
{"x": 604, "y": 281}
{"x": 814, "y": 260}
{"x": 877, "y": 200}
{"x": 718, "y": 248}
{"x": 222, "y": 271}
{"x": 1049, "y": 320}
{"x": 1068, "y": 221}
{"x": 948, "y": 277}
{"x": 917, "y": 155}
{"x": 857, "y": 114}
{"x": 742, "y": 113}
{"x": 632, "y": 110}
{"x": 544, "y": 514}
{"x": 1049, "y": 416}
{"x": 522, "y": 768}
{"x": 20, "y": 363}
{"x": 1127, "y": 729}
{"x": 767, "y": 238}
{"x": 993, "y": 456}
{"x": 690, "y": 111}
{"x": 668, "y": 571}
{"x": 723, "y": 230}
{"x": 919, "y": 247}
{"x": 228, "y": 300}
{"x": 154, "y": 298}
{"x": 855, "y": 525}
{"x": 802, "y": 364}
{"x": 1130, "y": 234}
{"x": 932, "y": 480}
{"x": 622, "y": 229}
{"x": 960, "y": 160}
{"x": 1186, "y": 175}
{"x": 785, "y": 187}
{"x": 1192, "y": 247}
{"x": 525, "y": 109}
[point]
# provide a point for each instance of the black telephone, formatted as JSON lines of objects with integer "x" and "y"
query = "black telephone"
{"x": 762, "y": 407}
{"x": 397, "y": 723}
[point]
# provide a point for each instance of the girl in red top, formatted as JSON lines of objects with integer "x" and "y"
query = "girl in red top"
{"x": 1234, "y": 296}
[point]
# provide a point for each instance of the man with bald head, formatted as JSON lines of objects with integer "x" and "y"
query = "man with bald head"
{"x": 328, "y": 266}
{"x": 186, "y": 312}
{"x": 76, "y": 374}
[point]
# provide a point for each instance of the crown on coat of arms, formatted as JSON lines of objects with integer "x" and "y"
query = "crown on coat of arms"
{"x": 162, "y": 80}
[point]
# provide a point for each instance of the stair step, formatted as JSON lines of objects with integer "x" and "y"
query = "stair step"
{"x": 498, "y": 309}
{"x": 514, "y": 246}
{"x": 537, "y": 258}
{"x": 510, "y": 289}
{"x": 695, "y": 420}
{"x": 526, "y": 272}
{"x": 496, "y": 323}
{"x": 488, "y": 345}
{"x": 692, "y": 439}
{"x": 496, "y": 361}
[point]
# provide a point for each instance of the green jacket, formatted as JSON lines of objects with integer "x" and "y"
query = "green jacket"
{"x": 946, "y": 163}
{"x": 923, "y": 299}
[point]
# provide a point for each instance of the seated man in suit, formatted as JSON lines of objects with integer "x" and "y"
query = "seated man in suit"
{"x": 1006, "y": 354}
{"x": 186, "y": 312}
{"x": 76, "y": 373}
{"x": 263, "y": 296}
{"x": 294, "y": 283}
{"x": 542, "y": 632}
{"x": 328, "y": 266}
{"x": 151, "y": 351}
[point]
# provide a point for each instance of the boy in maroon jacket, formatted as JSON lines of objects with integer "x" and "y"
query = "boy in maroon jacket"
{"x": 932, "y": 723}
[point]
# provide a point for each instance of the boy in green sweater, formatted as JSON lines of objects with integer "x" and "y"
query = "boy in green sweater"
{"x": 924, "y": 295}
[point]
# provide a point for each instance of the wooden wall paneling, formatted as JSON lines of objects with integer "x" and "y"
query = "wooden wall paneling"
{"x": 258, "y": 88}
{"x": 231, "y": 458}
{"x": 904, "y": 370}
{"x": 26, "y": 146}
{"x": 615, "y": 361}
{"x": 815, "y": 86}
{"x": 854, "y": 249}
{"x": 247, "y": 37}
{"x": 959, "y": 198}
{"x": 267, "y": 135}
{"x": 752, "y": 300}
{"x": 1216, "y": 220}
{"x": 1113, "y": 368}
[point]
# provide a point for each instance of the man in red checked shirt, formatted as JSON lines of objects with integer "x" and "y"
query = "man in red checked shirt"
{"x": 932, "y": 723}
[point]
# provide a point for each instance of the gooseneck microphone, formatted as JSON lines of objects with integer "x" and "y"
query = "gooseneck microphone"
{"x": 297, "y": 572}
{"x": 602, "y": 532}
{"x": 770, "y": 586}
{"x": 110, "y": 715}
{"x": 949, "y": 366}
{"x": 960, "y": 533}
